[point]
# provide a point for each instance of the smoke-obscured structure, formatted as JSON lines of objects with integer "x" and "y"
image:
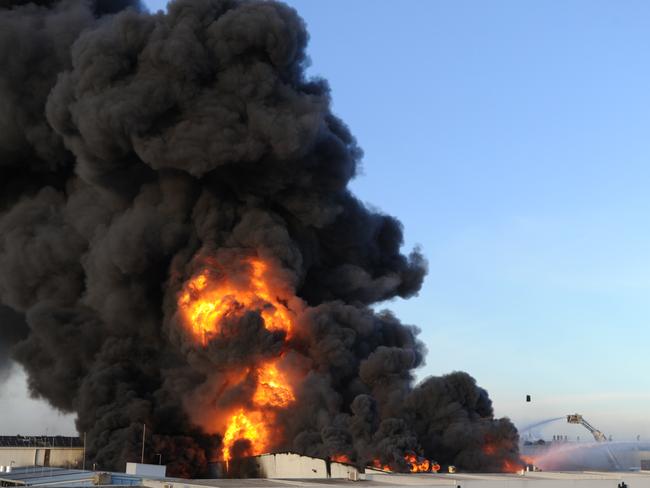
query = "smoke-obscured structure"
{"x": 178, "y": 247}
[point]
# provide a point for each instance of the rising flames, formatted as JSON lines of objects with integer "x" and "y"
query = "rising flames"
{"x": 507, "y": 466}
{"x": 377, "y": 464}
{"x": 254, "y": 425}
{"x": 212, "y": 295}
{"x": 417, "y": 465}
{"x": 205, "y": 301}
{"x": 250, "y": 426}
{"x": 510, "y": 467}
{"x": 272, "y": 388}
{"x": 340, "y": 458}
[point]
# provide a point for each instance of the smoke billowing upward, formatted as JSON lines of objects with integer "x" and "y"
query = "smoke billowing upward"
{"x": 158, "y": 169}
{"x": 14, "y": 329}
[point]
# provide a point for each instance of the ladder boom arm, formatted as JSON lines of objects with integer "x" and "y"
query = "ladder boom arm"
{"x": 579, "y": 419}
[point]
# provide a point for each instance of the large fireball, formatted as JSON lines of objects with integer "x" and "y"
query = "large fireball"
{"x": 205, "y": 302}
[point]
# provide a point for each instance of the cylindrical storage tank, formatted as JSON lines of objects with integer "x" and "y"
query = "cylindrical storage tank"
{"x": 8, "y": 469}
{"x": 2, "y": 469}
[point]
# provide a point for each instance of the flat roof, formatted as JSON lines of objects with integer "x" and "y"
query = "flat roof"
{"x": 36, "y": 475}
{"x": 532, "y": 479}
{"x": 42, "y": 476}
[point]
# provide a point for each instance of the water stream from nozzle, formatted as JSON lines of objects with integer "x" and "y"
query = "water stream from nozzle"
{"x": 539, "y": 424}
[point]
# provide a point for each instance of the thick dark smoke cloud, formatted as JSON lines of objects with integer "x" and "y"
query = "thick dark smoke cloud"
{"x": 14, "y": 329}
{"x": 133, "y": 147}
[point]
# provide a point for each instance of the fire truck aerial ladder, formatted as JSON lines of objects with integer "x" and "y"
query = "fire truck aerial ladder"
{"x": 578, "y": 419}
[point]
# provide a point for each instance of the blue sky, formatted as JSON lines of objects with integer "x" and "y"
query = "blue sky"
{"x": 511, "y": 139}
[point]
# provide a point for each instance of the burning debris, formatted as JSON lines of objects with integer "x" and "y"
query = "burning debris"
{"x": 178, "y": 247}
{"x": 415, "y": 464}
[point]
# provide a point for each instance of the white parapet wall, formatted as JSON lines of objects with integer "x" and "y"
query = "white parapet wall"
{"x": 289, "y": 465}
{"x": 344, "y": 471}
{"x": 146, "y": 470}
{"x": 294, "y": 466}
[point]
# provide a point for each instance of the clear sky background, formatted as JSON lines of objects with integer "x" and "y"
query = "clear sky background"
{"x": 511, "y": 139}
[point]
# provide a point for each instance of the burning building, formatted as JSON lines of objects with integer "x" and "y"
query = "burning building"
{"x": 179, "y": 247}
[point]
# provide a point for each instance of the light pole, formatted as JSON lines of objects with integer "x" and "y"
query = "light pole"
{"x": 144, "y": 434}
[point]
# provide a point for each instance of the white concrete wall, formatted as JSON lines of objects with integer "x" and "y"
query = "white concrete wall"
{"x": 344, "y": 471}
{"x": 295, "y": 466}
{"x": 60, "y": 457}
{"x": 288, "y": 465}
{"x": 152, "y": 470}
{"x": 20, "y": 455}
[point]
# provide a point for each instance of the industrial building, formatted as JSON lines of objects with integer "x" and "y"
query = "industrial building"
{"x": 47, "y": 451}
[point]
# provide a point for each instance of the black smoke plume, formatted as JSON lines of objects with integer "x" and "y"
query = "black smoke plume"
{"x": 136, "y": 146}
{"x": 14, "y": 329}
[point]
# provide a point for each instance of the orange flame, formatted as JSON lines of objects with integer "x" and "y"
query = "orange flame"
{"x": 209, "y": 297}
{"x": 340, "y": 458}
{"x": 529, "y": 459}
{"x": 204, "y": 302}
{"x": 376, "y": 463}
{"x": 249, "y": 426}
{"x": 273, "y": 389}
{"x": 489, "y": 449}
{"x": 510, "y": 467}
{"x": 417, "y": 465}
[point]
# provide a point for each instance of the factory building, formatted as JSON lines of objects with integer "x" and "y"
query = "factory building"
{"x": 58, "y": 451}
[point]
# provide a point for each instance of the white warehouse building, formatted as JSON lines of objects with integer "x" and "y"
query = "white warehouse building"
{"x": 63, "y": 452}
